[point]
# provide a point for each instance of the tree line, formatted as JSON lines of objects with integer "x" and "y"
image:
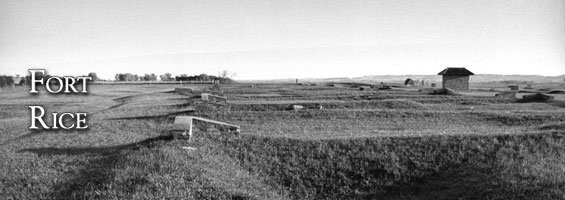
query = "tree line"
{"x": 135, "y": 77}
{"x": 223, "y": 77}
{"x": 6, "y": 80}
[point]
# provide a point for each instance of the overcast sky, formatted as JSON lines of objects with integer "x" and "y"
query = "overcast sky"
{"x": 264, "y": 39}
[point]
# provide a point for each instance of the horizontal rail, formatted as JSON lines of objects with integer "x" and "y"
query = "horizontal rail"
{"x": 184, "y": 123}
{"x": 215, "y": 122}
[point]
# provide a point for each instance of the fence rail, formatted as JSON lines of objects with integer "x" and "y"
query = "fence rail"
{"x": 185, "y": 123}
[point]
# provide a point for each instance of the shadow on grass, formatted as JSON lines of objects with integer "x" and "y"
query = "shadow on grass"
{"x": 439, "y": 167}
{"x": 24, "y": 136}
{"x": 560, "y": 104}
{"x": 460, "y": 182}
{"x": 38, "y": 132}
{"x": 189, "y": 110}
{"x": 96, "y": 150}
{"x": 97, "y": 170}
{"x": 121, "y": 101}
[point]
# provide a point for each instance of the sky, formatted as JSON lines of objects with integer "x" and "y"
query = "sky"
{"x": 272, "y": 39}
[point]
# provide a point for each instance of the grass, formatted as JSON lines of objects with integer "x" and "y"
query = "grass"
{"x": 394, "y": 144}
{"x": 393, "y": 167}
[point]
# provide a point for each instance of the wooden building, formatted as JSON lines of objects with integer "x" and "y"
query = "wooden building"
{"x": 456, "y": 79}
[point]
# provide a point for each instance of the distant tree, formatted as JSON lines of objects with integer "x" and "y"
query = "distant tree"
{"x": 204, "y": 77}
{"x": 166, "y": 77}
{"x": 127, "y": 77}
{"x": 184, "y": 77}
{"x": 132, "y": 77}
{"x": 121, "y": 77}
{"x": 6, "y": 81}
{"x": 2, "y": 81}
{"x": 149, "y": 77}
{"x": 93, "y": 76}
{"x": 225, "y": 76}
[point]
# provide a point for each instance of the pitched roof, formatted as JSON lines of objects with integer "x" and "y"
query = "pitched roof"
{"x": 455, "y": 71}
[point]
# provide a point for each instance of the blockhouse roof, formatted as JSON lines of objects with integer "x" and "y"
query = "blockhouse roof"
{"x": 456, "y": 71}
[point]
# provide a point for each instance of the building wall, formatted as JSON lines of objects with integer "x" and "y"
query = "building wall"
{"x": 457, "y": 83}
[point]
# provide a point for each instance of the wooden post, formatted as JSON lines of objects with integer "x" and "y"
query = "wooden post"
{"x": 205, "y": 96}
{"x": 183, "y": 124}
{"x": 190, "y": 128}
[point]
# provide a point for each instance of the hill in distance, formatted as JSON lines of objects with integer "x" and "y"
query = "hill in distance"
{"x": 478, "y": 78}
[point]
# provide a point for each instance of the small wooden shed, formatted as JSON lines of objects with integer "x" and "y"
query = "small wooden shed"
{"x": 455, "y": 78}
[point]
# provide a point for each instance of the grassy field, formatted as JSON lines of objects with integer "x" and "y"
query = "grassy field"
{"x": 369, "y": 144}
